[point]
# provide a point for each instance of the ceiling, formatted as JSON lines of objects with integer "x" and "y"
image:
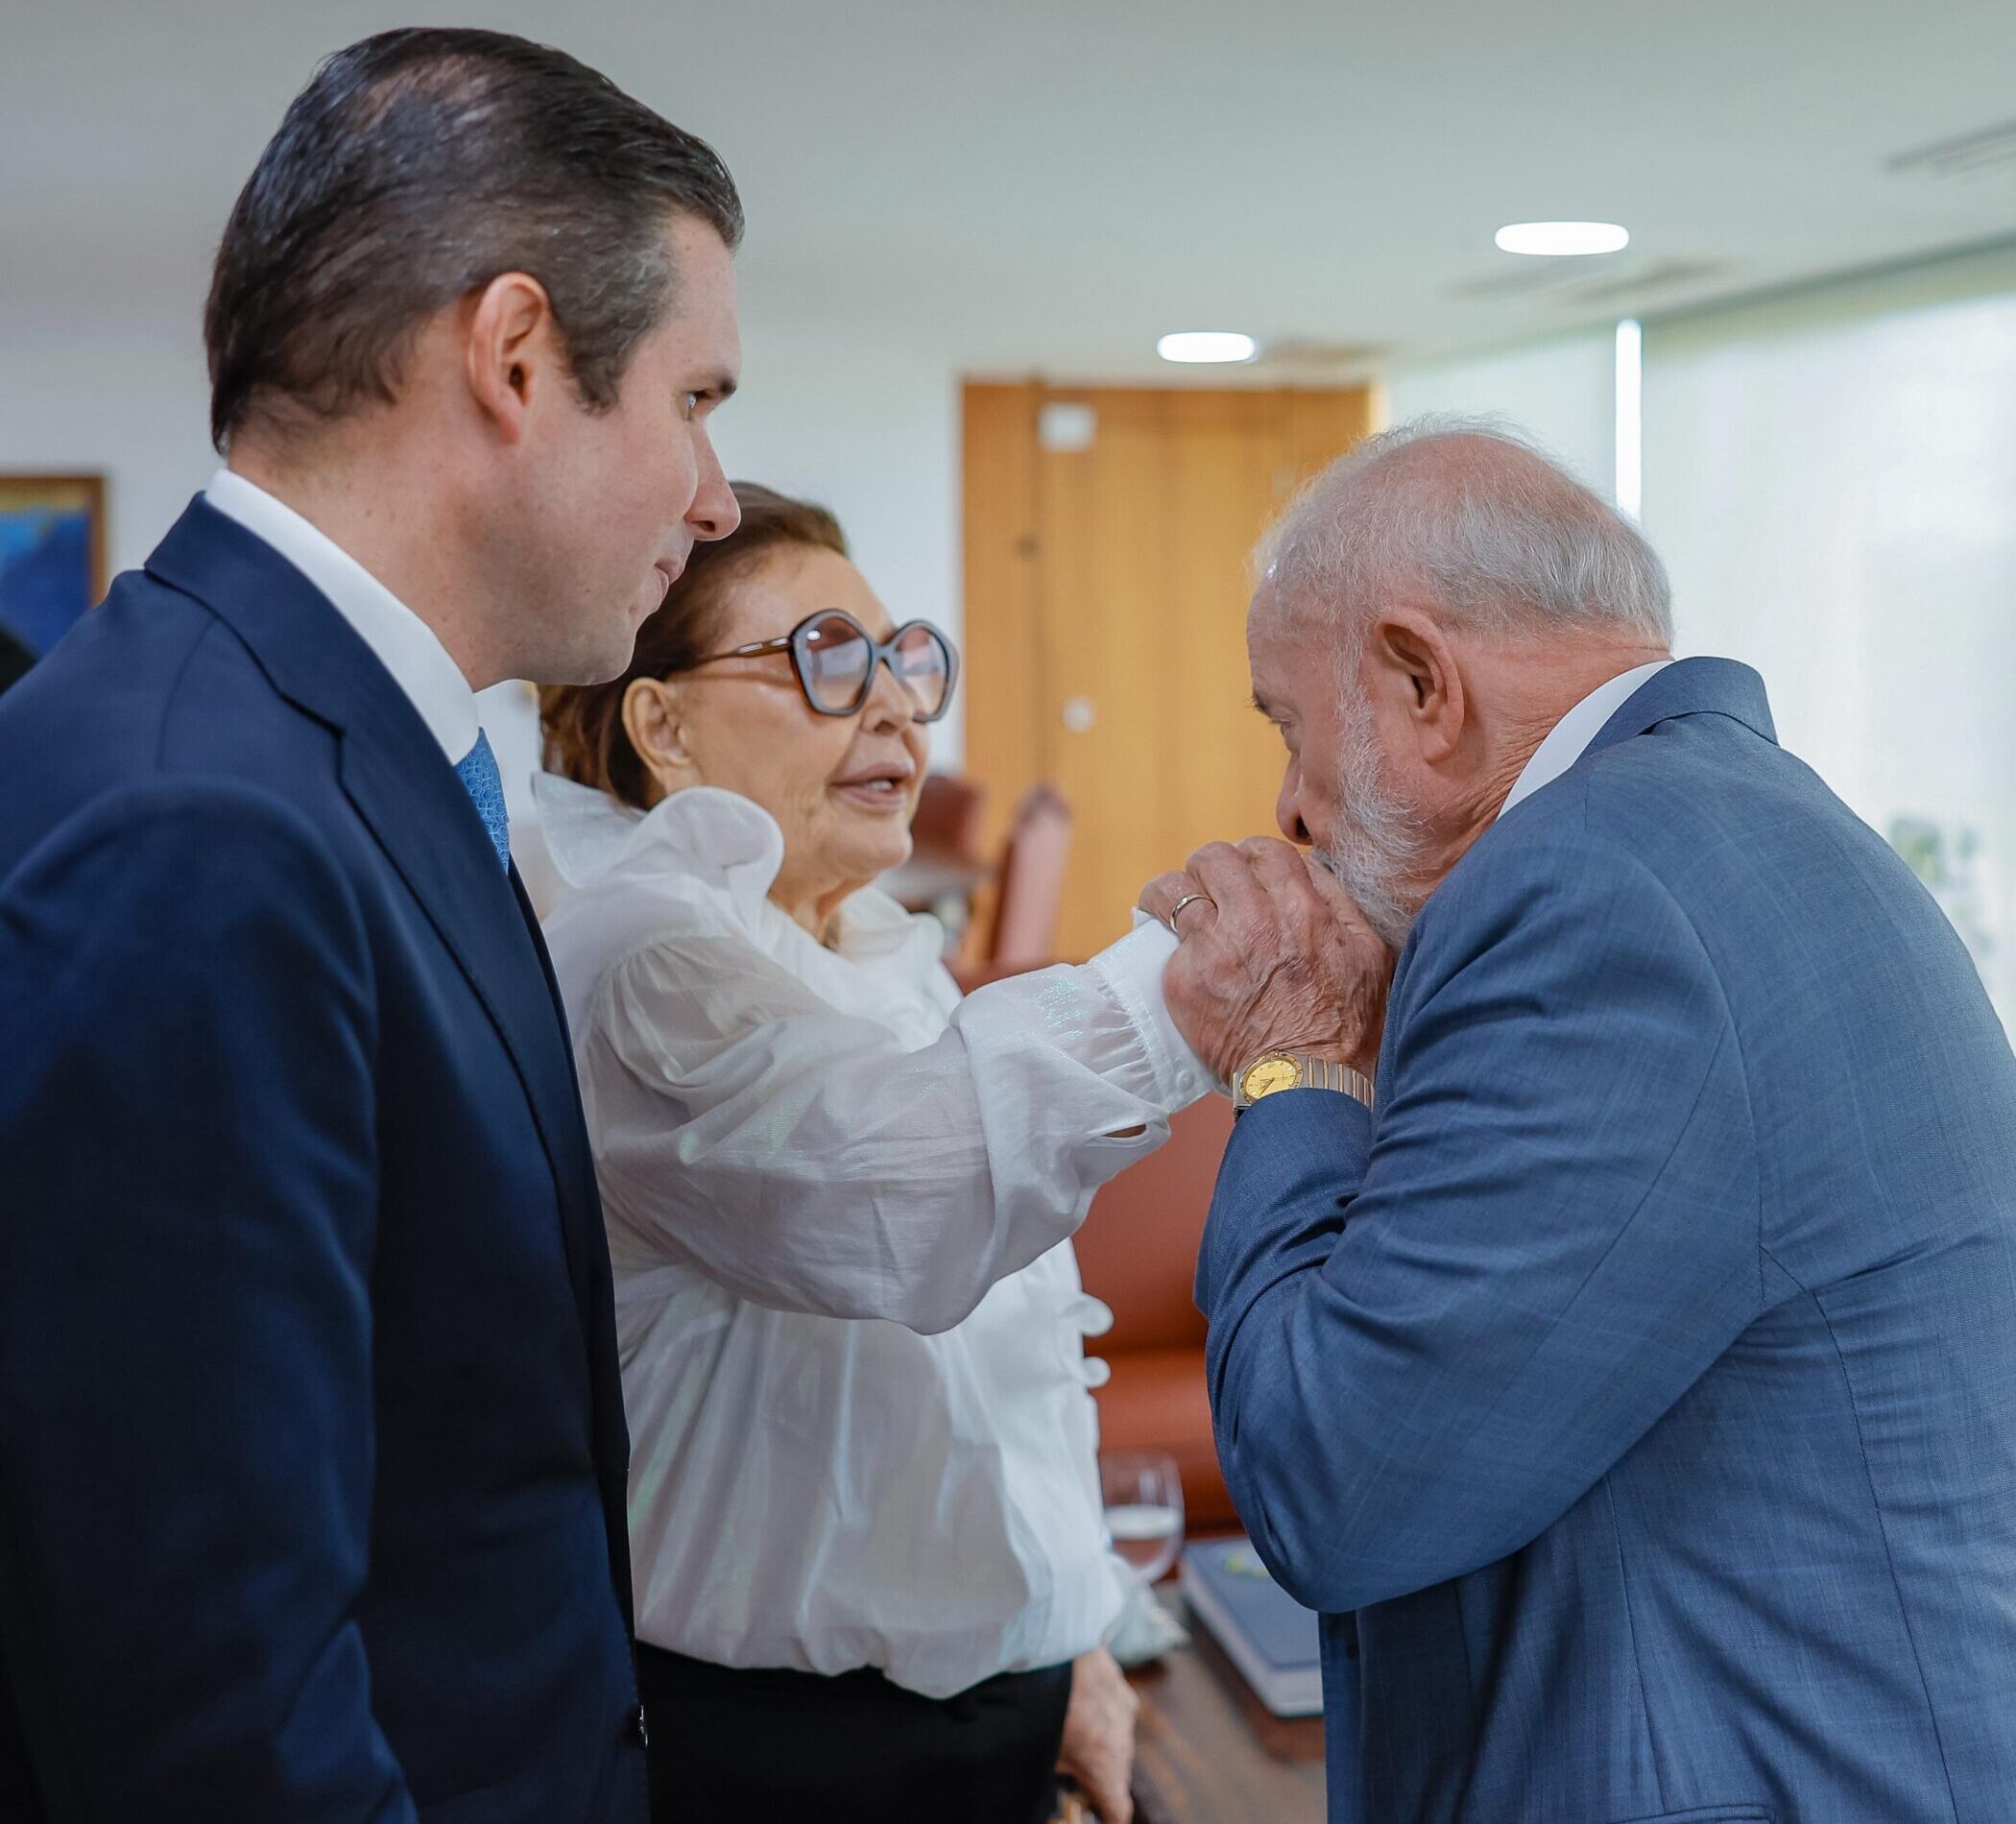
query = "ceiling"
{"x": 1046, "y": 186}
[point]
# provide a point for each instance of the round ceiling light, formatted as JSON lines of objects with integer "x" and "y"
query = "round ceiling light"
{"x": 1562, "y": 238}
{"x": 1207, "y": 344}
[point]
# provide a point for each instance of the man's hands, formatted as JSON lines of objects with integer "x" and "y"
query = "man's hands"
{"x": 1098, "y": 1735}
{"x": 1275, "y": 956}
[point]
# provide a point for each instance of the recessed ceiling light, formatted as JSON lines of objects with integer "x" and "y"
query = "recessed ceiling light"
{"x": 1207, "y": 344}
{"x": 1562, "y": 237}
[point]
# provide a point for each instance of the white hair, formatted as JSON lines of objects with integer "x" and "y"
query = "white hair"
{"x": 1468, "y": 518}
{"x": 1471, "y": 521}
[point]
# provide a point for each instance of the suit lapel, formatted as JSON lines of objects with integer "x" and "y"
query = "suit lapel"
{"x": 407, "y": 794}
{"x": 594, "y": 1291}
{"x": 405, "y": 791}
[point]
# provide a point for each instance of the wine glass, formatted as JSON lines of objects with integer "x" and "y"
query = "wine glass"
{"x": 1143, "y": 1496}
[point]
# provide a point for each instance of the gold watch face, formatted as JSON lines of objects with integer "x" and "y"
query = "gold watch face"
{"x": 1269, "y": 1075}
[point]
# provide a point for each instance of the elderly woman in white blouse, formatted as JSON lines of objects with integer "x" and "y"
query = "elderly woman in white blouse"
{"x": 871, "y": 1575}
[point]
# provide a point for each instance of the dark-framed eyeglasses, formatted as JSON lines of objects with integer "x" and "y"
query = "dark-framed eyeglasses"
{"x": 835, "y": 661}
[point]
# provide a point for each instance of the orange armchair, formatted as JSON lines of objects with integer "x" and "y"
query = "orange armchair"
{"x": 1138, "y": 1251}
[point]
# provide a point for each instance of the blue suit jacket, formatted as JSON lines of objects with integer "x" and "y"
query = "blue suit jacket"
{"x": 1642, "y": 1371}
{"x": 312, "y": 1454}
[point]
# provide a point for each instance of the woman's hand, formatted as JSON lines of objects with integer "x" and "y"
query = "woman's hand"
{"x": 1098, "y": 1735}
{"x": 1273, "y": 956}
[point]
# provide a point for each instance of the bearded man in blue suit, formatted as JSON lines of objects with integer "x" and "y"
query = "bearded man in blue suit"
{"x": 1613, "y": 1306}
{"x": 312, "y": 1452}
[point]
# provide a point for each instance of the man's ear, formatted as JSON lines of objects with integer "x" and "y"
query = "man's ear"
{"x": 511, "y": 350}
{"x": 1414, "y": 667}
{"x": 651, "y": 720}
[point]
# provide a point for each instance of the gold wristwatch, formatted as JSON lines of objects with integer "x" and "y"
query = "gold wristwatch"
{"x": 1275, "y": 1070}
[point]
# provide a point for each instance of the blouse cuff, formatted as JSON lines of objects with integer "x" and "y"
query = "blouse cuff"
{"x": 1131, "y": 972}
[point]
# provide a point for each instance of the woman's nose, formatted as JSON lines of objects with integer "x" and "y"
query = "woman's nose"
{"x": 889, "y": 704}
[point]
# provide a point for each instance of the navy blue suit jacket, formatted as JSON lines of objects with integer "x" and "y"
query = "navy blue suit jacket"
{"x": 1634, "y": 1389}
{"x": 312, "y": 1454}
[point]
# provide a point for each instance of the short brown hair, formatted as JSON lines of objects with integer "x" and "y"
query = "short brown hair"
{"x": 585, "y": 737}
{"x": 415, "y": 168}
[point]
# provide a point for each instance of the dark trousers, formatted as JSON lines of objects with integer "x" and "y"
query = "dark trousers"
{"x": 787, "y": 1747}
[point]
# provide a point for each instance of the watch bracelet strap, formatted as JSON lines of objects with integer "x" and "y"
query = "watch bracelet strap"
{"x": 1325, "y": 1073}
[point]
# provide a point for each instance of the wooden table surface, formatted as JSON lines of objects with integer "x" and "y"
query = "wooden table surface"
{"x": 1208, "y": 1752}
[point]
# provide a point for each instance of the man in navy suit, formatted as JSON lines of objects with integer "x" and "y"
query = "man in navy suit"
{"x": 1613, "y": 1308}
{"x": 312, "y": 1452}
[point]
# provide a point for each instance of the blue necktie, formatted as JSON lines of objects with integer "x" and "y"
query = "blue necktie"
{"x": 477, "y": 770}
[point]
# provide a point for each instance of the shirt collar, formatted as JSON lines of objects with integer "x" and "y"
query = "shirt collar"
{"x": 404, "y": 644}
{"x": 1569, "y": 739}
{"x": 708, "y": 835}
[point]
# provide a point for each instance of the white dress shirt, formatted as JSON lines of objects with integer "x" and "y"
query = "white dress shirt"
{"x": 834, "y": 1129}
{"x": 405, "y": 645}
{"x": 1569, "y": 739}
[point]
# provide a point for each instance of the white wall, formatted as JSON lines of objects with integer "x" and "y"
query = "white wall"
{"x": 1562, "y": 394}
{"x": 129, "y": 398}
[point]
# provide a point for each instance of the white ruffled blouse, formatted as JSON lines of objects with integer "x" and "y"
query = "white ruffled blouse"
{"x": 797, "y": 1145}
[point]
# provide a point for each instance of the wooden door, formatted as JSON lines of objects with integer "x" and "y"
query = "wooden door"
{"x": 1107, "y": 576}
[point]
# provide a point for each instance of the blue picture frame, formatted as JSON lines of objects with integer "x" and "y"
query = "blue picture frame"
{"x": 52, "y": 554}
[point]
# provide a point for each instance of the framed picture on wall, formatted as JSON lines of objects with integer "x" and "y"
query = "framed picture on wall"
{"x": 52, "y": 554}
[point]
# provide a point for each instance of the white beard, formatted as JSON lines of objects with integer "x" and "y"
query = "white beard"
{"x": 1380, "y": 843}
